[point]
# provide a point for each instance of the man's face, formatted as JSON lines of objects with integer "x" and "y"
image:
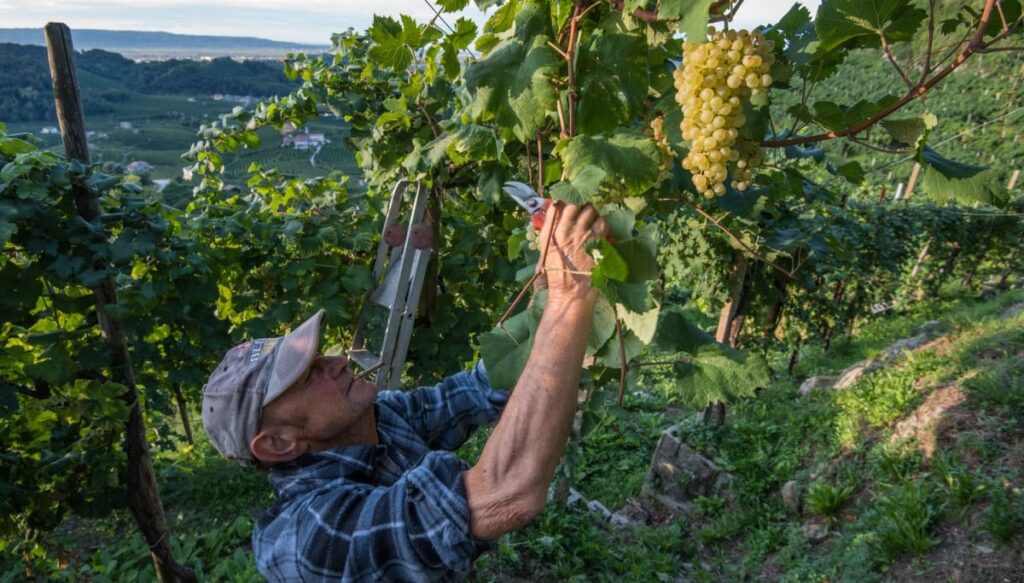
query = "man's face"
{"x": 326, "y": 404}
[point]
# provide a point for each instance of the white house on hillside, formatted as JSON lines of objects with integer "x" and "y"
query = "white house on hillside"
{"x": 304, "y": 141}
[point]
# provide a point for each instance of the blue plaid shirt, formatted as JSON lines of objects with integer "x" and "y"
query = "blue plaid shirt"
{"x": 395, "y": 511}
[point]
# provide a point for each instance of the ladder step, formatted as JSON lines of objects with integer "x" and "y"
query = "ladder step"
{"x": 385, "y": 294}
{"x": 363, "y": 358}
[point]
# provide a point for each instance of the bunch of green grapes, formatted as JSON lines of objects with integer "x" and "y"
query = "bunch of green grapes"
{"x": 711, "y": 84}
{"x": 531, "y": 237}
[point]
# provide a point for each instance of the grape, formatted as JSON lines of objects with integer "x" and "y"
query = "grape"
{"x": 715, "y": 78}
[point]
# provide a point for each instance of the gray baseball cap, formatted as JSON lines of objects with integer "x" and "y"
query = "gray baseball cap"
{"x": 252, "y": 375}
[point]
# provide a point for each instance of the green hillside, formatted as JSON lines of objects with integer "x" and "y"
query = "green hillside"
{"x": 108, "y": 79}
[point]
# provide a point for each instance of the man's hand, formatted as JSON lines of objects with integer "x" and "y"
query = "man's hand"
{"x": 565, "y": 264}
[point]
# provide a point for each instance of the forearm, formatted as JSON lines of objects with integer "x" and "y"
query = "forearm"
{"x": 509, "y": 482}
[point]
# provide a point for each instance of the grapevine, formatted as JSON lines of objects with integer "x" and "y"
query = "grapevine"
{"x": 712, "y": 83}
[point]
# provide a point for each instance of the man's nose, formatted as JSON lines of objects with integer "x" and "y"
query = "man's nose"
{"x": 336, "y": 365}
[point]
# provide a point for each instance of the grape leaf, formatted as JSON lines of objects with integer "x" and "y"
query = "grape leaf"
{"x": 612, "y": 79}
{"x": 609, "y": 355}
{"x": 839, "y": 21}
{"x": 630, "y": 159}
{"x": 602, "y": 326}
{"x": 676, "y": 333}
{"x": 505, "y": 350}
{"x": 692, "y": 15}
{"x": 512, "y": 84}
{"x": 719, "y": 374}
{"x": 852, "y": 172}
{"x": 452, "y": 5}
{"x": 642, "y": 324}
{"x": 581, "y": 189}
{"x": 608, "y": 263}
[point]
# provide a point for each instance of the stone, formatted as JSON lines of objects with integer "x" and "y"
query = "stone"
{"x": 931, "y": 328}
{"x": 574, "y": 498}
{"x": 814, "y": 383}
{"x": 600, "y": 509}
{"x": 815, "y": 530}
{"x": 679, "y": 474}
{"x": 791, "y": 496}
{"x": 904, "y": 345}
{"x": 852, "y": 374}
{"x": 632, "y": 512}
{"x": 1013, "y": 311}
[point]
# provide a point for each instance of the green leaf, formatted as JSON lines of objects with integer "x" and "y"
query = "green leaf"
{"x": 692, "y": 15}
{"x": 612, "y": 78}
{"x": 839, "y": 21}
{"x": 719, "y": 374}
{"x": 852, "y": 172}
{"x": 503, "y": 18}
{"x": 630, "y": 160}
{"x": 676, "y": 333}
{"x": 946, "y": 180}
{"x": 580, "y": 190}
{"x": 608, "y": 263}
{"x": 950, "y": 168}
{"x": 609, "y": 355}
{"x": 512, "y": 85}
{"x": 505, "y": 350}
{"x": 621, "y": 221}
{"x": 11, "y": 147}
{"x": 910, "y": 131}
{"x": 980, "y": 188}
{"x": 389, "y": 50}
{"x": 602, "y": 325}
{"x": 643, "y": 324}
{"x": 452, "y": 5}
{"x": 641, "y": 259}
{"x": 635, "y": 297}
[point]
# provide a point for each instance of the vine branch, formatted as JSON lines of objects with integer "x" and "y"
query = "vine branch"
{"x": 976, "y": 44}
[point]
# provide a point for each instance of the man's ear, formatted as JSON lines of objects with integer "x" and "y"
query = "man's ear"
{"x": 273, "y": 446}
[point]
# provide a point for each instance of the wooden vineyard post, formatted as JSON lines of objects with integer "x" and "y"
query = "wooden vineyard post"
{"x": 913, "y": 180}
{"x": 1013, "y": 179}
{"x": 143, "y": 496}
{"x": 730, "y": 321}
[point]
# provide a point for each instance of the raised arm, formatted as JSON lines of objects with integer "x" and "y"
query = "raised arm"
{"x": 508, "y": 485}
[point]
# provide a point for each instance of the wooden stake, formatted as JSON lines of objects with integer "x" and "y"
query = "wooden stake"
{"x": 143, "y": 496}
{"x": 913, "y": 179}
{"x": 1013, "y": 179}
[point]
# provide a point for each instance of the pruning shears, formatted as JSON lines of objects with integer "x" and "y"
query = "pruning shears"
{"x": 526, "y": 197}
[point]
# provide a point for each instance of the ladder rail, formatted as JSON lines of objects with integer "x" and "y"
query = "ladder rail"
{"x": 399, "y": 273}
{"x": 399, "y": 307}
{"x": 390, "y": 217}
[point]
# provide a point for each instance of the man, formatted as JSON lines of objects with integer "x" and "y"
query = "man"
{"x": 367, "y": 487}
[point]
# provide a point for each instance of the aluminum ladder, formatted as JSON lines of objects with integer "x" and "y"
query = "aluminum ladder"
{"x": 398, "y": 273}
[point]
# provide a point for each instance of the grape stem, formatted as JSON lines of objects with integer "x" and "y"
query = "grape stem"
{"x": 556, "y": 208}
{"x": 749, "y": 249}
{"x": 622, "y": 356}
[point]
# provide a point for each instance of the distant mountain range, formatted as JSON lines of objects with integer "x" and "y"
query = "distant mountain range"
{"x": 133, "y": 41}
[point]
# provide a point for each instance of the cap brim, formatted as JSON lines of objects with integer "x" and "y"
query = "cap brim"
{"x": 294, "y": 354}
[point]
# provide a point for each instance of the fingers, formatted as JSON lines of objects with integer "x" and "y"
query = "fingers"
{"x": 600, "y": 228}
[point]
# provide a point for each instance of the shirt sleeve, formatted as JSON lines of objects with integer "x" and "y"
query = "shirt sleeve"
{"x": 416, "y": 529}
{"x": 446, "y": 414}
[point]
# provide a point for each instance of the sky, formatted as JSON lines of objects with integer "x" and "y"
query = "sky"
{"x": 308, "y": 22}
